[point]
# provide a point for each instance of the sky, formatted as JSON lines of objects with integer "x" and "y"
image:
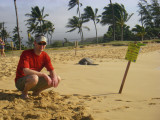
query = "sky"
{"x": 59, "y": 15}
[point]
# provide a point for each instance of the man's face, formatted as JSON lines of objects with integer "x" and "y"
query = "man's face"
{"x": 40, "y": 46}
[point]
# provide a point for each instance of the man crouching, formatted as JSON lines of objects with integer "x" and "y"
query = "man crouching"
{"x": 29, "y": 76}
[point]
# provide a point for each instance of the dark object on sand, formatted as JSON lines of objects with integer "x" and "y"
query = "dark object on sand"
{"x": 86, "y": 61}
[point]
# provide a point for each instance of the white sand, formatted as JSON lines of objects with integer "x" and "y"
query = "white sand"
{"x": 90, "y": 91}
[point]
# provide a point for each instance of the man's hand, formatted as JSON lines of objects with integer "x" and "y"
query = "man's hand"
{"x": 55, "y": 81}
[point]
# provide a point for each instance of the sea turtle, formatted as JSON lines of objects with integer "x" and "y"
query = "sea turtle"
{"x": 86, "y": 61}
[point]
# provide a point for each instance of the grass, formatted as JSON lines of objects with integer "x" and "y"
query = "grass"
{"x": 13, "y": 53}
{"x": 117, "y": 43}
{"x": 152, "y": 41}
{"x": 113, "y": 43}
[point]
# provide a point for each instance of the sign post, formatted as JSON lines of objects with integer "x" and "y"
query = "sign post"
{"x": 131, "y": 56}
{"x": 76, "y": 45}
{"x": 12, "y": 46}
{"x": 124, "y": 78}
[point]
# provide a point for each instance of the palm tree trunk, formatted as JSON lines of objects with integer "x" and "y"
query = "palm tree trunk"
{"x": 48, "y": 38}
{"x": 81, "y": 34}
{"x": 17, "y": 25}
{"x": 113, "y": 20}
{"x": 121, "y": 33}
{"x": 142, "y": 37}
{"x": 81, "y": 31}
{"x": 51, "y": 38}
{"x": 41, "y": 26}
{"x": 96, "y": 32}
{"x": 142, "y": 27}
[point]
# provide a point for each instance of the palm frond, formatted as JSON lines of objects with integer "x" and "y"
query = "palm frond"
{"x": 72, "y": 4}
{"x": 129, "y": 17}
{"x": 71, "y": 30}
{"x": 86, "y": 28}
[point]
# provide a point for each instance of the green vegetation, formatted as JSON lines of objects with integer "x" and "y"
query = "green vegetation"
{"x": 58, "y": 46}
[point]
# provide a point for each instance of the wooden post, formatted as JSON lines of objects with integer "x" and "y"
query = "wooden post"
{"x": 76, "y": 45}
{"x": 12, "y": 46}
{"x": 124, "y": 78}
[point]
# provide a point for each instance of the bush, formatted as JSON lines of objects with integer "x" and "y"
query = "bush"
{"x": 141, "y": 44}
{"x": 145, "y": 42}
{"x": 57, "y": 44}
{"x": 157, "y": 41}
{"x": 82, "y": 46}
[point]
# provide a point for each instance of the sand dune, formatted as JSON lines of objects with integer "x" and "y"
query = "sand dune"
{"x": 88, "y": 92}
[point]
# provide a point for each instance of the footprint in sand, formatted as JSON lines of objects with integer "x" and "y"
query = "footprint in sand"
{"x": 118, "y": 100}
{"x": 128, "y": 101}
{"x": 120, "y": 108}
{"x": 152, "y": 104}
{"x": 122, "y": 100}
{"x": 155, "y": 98}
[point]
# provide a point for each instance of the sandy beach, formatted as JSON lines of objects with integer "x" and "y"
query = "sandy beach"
{"x": 88, "y": 92}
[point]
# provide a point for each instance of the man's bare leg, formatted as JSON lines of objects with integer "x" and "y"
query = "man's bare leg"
{"x": 36, "y": 92}
{"x": 31, "y": 81}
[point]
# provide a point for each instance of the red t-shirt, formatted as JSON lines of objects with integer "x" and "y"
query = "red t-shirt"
{"x": 29, "y": 59}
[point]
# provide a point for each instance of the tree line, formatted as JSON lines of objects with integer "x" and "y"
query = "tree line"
{"x": 114, "y": 15}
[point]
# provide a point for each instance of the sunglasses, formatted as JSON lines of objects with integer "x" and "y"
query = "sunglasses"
{"x": 42, "y": 43}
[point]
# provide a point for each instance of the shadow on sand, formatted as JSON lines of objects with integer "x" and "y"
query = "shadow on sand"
{"x": 10, "y": 96}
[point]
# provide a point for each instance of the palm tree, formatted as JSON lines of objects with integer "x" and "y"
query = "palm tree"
{"x": 124, "y": 17}
{"x": 89, "y": 14}
{"x": 108, "y": 18}
{"x": 1, "y": 28}
{"x": 113, "y": 22}
{"x": 15, "y": 37}
{"x": 5, "y": 35}
{"x": 72, "y": 4}
{"x": 48, "y": 28}
{"x": 1, "y": 25}
{"x": 76, "y": 23}
{"x": 150, "y": 17}
{"x": 30, "y": 42}
{"x": 36, "y": 20}
{"x": 17, "y": 24}
{"x": 155, "y": 12}
{"x": 140, "y": 31}
{"x": 145, "y": 13}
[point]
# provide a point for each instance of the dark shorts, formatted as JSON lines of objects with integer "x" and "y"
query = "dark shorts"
{"x": 20, "y": 83}
{"x": 1, "y": 46}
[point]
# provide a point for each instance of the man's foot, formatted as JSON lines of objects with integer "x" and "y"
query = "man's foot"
{"x": 24, "y": 96}
{"x": 35, "y": 93}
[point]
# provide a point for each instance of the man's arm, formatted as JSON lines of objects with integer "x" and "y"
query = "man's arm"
{"x": 52, "y": 73}
{"x": 28, "y": 71}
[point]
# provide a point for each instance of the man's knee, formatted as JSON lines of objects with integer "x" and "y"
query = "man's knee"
{"x": 33, "y": 79}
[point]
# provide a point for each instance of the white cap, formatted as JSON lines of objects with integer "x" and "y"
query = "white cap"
{"x": 40, "y": 39}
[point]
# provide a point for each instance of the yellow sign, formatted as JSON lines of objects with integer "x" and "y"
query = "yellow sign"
{"x": 132, "y": 52}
